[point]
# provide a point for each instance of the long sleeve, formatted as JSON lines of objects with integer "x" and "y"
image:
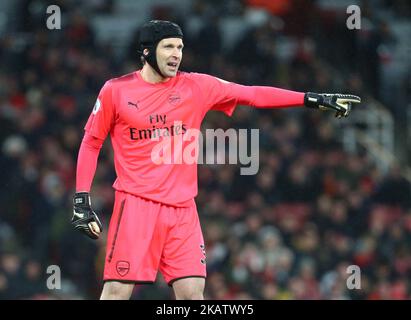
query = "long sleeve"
{"x": 87, "y": 162}
{"x": 267, "y": 97}
{"x": 224, "y": 96}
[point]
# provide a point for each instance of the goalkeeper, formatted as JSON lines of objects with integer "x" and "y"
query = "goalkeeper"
{"x": 155, "y": 225}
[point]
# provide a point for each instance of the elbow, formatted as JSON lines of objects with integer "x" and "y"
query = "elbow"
{"x": 92, "y": 142}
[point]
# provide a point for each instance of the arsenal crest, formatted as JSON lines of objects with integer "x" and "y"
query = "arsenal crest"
{"x": 174, "y": 98}
{"x": 122, "y": 267}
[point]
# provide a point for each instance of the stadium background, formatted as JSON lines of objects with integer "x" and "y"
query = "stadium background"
{"x": 328, "y": 194}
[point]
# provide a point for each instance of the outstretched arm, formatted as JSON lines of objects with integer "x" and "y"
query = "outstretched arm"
{"x": 271, "y": 97}
{"x": 267, "y": 97}
{"x": 224, "y": 96}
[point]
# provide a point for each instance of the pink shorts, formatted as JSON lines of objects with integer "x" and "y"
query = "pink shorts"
{"x": 145, "y": 236}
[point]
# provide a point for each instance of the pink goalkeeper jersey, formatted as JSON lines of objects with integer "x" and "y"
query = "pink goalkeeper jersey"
{"x": 135, "y": 112}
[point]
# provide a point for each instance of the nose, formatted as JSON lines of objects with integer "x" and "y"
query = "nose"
{"x": 176, "y": 53}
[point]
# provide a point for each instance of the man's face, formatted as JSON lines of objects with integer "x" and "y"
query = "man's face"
{"x": 169, "y": 55}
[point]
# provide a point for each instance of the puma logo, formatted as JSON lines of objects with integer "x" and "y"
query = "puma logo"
{"x": 132, "y": 104}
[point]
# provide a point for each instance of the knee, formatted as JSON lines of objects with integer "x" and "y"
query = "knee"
{"x": 116, "y": 291}
{"x": 193, "y": 294}
{"x": 190, "y": 296}
{"x": 196, "y": 296}
{"x": 189, "y": 289}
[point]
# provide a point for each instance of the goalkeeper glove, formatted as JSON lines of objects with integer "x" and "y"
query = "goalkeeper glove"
{"x": 341, "y": 103}
{"x": 84, "y": 218}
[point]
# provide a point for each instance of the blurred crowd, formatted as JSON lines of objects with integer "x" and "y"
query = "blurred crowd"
{"x": 289, "y": 232}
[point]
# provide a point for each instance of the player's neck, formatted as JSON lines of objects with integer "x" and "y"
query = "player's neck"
{"x": 151, "y": 76}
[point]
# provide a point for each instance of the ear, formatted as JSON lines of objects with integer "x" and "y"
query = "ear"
{"x": 146, "y": 52}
